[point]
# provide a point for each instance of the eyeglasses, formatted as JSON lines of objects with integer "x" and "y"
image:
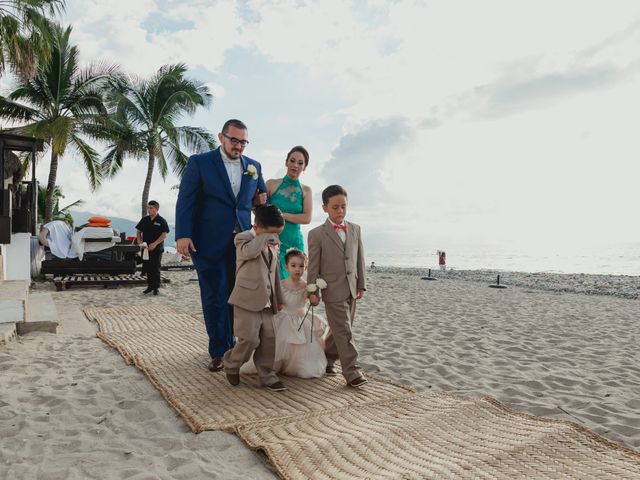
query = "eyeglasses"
{"x": 235, "y": 141}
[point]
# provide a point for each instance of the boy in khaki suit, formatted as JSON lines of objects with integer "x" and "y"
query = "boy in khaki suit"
{"x": 256, "y": 297}
{"x": 336, "y": 255}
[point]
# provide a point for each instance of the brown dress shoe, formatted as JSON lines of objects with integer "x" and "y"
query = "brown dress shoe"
{"x": 358, "y": 382}
{"x": 233, "y": 378}
{"x": 277, "y": 387}
{"x": 331, "y": 371}
{"x": 216, "y": 364}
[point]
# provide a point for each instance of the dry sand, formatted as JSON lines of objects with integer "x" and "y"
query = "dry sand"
{"x": 71, "y": 408}
{"x": 564, "y": 356}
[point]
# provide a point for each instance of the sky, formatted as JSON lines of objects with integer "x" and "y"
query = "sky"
{"x": 449, "y": 122}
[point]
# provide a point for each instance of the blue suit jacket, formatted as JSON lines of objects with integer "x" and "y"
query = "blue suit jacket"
{"x": 207, "y": 210}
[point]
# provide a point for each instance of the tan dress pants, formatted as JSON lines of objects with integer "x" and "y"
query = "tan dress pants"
{"x": 256, "y": 335}
{"x": 339, "y": 342}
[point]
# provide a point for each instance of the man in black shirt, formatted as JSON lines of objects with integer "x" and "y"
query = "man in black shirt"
{"x": 152, "y": 230}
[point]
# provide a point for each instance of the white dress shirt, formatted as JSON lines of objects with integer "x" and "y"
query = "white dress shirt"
{"x": 234, "y": 170}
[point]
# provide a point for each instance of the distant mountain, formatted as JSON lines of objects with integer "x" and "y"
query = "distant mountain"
{"x": 120, "y": 224}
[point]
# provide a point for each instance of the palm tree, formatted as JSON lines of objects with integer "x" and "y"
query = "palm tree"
{"x": 143, "y": 123}
{"x": 62, "y": 105}
{"x": 26, "y": 33}
{"x": 58, "y": 213}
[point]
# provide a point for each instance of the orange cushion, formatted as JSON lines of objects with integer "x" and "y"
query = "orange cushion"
{"x": 99, "y": 220}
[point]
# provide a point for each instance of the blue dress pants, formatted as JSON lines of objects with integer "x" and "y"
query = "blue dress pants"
{"x": 217, "y": 278}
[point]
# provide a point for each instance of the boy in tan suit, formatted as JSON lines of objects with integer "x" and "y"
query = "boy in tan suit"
{"x": 256, "y": 297}
{"x": 336, "y": 255}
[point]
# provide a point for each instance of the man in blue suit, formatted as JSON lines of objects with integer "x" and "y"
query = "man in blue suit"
{"x": 217, "y": 193}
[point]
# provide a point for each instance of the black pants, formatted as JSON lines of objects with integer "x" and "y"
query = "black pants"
{"x": 152, "y": 269}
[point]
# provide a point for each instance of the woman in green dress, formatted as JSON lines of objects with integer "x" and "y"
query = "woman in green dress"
{"x": 294, "y": 199}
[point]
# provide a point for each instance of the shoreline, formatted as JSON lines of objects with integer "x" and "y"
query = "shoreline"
{"x": 620, "y": 286}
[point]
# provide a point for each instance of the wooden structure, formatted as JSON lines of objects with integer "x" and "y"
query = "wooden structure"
{"x": 116, "y": 260}
{"x": 172, "y": 266}
{"x": 18, "y": 209}
{"x": 67, "y": 281}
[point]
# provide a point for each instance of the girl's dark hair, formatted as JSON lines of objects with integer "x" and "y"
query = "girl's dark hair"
{"x": 303, "y": 151}
{"x": 294, "y": 252}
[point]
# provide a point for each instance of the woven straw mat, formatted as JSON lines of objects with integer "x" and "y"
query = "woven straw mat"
{"x": 321, "y": 429}
{"x": 170, "y": 347}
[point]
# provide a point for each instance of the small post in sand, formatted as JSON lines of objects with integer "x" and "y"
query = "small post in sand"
{"x": 497, "y": 284}
{"x": 429, "y": 277}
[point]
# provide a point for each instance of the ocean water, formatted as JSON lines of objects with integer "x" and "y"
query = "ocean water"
{"x": 621, "y": 259}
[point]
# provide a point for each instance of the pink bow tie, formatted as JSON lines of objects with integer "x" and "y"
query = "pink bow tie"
{"x": 340, "y": 227}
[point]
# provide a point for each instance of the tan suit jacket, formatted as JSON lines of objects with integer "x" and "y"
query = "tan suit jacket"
{"x": 257, "y": 278}
{"x": 341, "y": 265}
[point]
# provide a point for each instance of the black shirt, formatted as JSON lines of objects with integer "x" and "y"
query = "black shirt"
{"x": 151, "y": 230}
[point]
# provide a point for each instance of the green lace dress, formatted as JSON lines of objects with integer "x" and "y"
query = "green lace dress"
{"x": 288, "y": 197}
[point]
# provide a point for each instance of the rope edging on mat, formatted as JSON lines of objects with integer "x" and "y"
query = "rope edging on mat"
{"x": 126, "y": 356}
{"x": 188, "y": 418}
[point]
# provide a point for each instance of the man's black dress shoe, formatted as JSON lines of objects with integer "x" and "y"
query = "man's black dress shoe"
{"x": 216, "y": 364}
{"x": 147, "y": 290}
{"x": 155, "y": 291}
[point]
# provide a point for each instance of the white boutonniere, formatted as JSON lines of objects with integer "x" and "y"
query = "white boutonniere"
{"x": 251, "y": 170}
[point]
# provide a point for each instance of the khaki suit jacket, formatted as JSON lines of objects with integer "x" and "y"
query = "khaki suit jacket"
{"x": 257, "y": 278}
{"x": 341, "y": 265}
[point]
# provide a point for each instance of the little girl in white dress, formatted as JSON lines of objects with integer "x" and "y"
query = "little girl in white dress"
{"x": 298, "y": 352}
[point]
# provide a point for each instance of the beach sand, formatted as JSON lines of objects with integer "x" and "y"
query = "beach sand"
{"x": 560, "y": 355}
{"x": 71, "y": 408}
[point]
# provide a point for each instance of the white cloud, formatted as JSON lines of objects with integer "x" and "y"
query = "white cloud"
{"x": 115, "y": 31}
{"x": 509, "y": 119}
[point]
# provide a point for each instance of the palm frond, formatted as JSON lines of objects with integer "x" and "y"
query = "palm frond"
{"x": 26, "y": 34}
{"x": 161, "y": 160}
{"x": 91, "y": 161}
{"x": 16, "y": 111}
{"x": 77, "y": 203}
{"x": 112, "y": 162}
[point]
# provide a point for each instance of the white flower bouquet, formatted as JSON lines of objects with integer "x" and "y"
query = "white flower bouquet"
{"x": 313, "y": 289}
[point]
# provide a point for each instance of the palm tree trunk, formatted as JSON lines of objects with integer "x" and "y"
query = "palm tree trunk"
{"x": 147, "y": 183}
{"x": 51, "y": 185}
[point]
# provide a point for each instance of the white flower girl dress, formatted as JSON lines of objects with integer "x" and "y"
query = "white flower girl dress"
{"x": 298, "y": 353}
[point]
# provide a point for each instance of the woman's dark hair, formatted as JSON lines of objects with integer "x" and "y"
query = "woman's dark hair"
{"x": 268, "y": 216}
{"x": 294, "y": 252}
{"x": 332, "y": 191}
{"x": 303, "y": 151}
